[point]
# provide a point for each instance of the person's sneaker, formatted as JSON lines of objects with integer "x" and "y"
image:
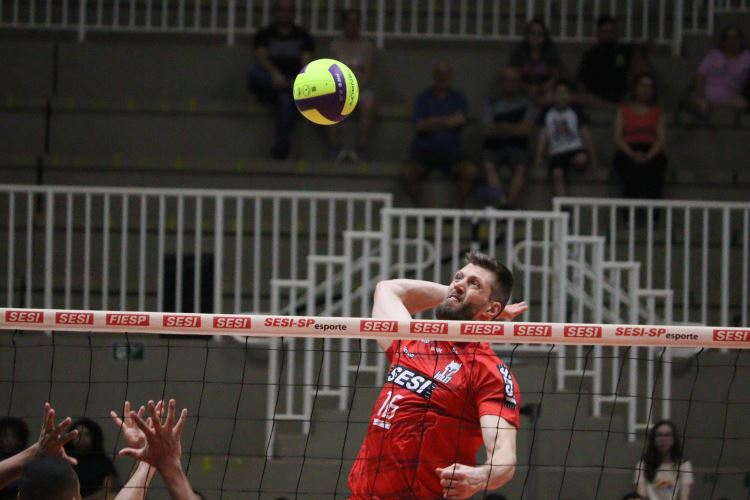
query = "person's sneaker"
{"x": 358, "y": 154}
{"x": 341, "y": 155}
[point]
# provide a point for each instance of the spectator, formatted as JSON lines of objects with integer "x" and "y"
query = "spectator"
{"x": 95, "y": 469}
{"x": 723, "y": 75}
{"x": 565, "y": 136}
{"x": 640, "y": 134}
{"x": 508, "y": 121}
{"x": 357, "y": 53}
{"x": 538, "y": 59}
{"x": 281, "y": 50}
{"x": 663, "y": 473}
{"x": 439, "y": 116}
{"x": 14, "y": 435}
{"x": 606, "y": 67}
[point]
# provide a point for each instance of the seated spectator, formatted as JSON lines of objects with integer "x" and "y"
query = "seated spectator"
{"x": 565, "y": 138}
{"x": 95, "y": 469}
{"x": 281, "y": 50}
{"x": 14, "y": 435}
{"x": 508, "y": 121}
{"x": 357, "y": 53}
{"x": 663, "y": 472}
{"x": 640, "y": 134}
{"x": 723, "y": 75}
{"x": 539, "y": 61}
{"x": 440, "y": 114}
{"x": 606, "y": 67}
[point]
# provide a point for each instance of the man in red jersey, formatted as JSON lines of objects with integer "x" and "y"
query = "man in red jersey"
{"x": 442, "y": 400}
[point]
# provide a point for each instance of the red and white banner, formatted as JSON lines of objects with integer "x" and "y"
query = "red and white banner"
{"x": 258, "y": 325}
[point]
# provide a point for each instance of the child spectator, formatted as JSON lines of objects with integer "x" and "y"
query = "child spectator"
{"x": 723, "y": 75}
{"x": 663, "y": 473}
{"x": 640, "y": 134}
{"x": 565, "y": 137}
{"x": 357, "y": 53}
{"x": 508, "y": 120}
{"x": 606, "y": 67}
{"x": 439, "y": 116}
{"x": 538, "y": 59}
{"x": 95, "y": 469}
{"x": 281, "y": 50}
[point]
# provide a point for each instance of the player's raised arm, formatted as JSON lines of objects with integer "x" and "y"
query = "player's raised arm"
{"x": 400, "y": 298}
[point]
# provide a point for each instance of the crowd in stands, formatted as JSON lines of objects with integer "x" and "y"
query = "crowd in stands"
{"x": 534, "y": 96}
{"x": 68, "y": 461}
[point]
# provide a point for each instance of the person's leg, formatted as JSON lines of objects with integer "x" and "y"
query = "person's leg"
{"x": 412, "y": 174}
{"x": 366, "y": 119}
{"x": 467, "y": 173}
{"x": 558, "y": 181}
{"x": 517, "y": 183}
{"x": 285, "y": 115}
{"x": 580, "y": 160}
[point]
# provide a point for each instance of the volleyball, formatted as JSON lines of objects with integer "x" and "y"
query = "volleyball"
{"x": 326, "y": 91}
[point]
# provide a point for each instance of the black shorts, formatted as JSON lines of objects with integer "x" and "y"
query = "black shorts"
{"x": 442, "y": 160}
{"x": 565, "y": 160}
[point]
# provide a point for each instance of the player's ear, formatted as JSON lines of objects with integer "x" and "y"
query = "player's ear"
{"x": 492, "y": 311}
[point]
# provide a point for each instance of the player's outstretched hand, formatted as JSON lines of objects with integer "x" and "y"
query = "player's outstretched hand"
{"x": 461, "y": 481}
{"x": 162, "y": 447}
{"x": 53, "y": 438}
{"x": 512, "y": 310}
{"x": 131, "y": 433}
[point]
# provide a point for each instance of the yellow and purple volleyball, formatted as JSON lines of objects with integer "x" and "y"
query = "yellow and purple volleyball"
{"x": 326, "y": 91}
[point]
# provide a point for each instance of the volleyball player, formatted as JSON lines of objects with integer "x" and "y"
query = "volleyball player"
{"x": 442, "y": 400}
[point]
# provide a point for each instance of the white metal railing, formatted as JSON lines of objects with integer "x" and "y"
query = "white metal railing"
{"x": 570, "y": 20}
{"x": 732, "y": 5}
{"x": 90, "y": 247}
{"x": 684, "y": 246}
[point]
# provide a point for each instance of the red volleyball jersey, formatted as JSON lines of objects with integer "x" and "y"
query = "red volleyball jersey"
{"x": 427, "y": 416}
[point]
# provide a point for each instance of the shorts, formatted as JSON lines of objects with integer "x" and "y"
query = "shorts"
{"x": 565, "y": 160}
{"x": 443, "y": 160}
{"x": 510, "y": 157}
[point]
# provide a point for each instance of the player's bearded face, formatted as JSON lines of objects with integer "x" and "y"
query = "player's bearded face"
{"x": 451, "y": 309}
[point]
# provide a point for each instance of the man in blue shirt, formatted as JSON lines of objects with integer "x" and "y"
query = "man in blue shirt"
{"x": 439, "y": 116}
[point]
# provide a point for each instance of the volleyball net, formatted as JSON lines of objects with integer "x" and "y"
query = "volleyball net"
{"x": 279, "y": 405}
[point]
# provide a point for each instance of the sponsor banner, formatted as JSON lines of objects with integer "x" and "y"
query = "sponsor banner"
{"x": 127, "y": 319}
{"x": 232, "y": 322}
{"x": 24, "y": 316}
{"x": 583, "y": 331}
{"x": 532, "y": 330}
{"x": 74, "y": 318}
{"x": 181, "y": 321}
{"x": 640, "y": 331}
{"x": 378, "y": 326}
{"x": 288, "y": 322}
{"x": 731, "y": 335}
{"x": 491, "y": 329}
{"x": 429, "y": 327}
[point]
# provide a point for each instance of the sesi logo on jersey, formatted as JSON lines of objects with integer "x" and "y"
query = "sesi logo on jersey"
{"x": 446, "y": 374}
{"x": 412, "y": 381}
{"x": 510, "y": 395}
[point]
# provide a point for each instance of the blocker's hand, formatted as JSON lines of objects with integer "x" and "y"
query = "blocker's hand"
{"x": 53, "y": 438}
{"x": 512, "y": 310}
{"x": 461, "y": 481}
{"x": 131, "y": 433}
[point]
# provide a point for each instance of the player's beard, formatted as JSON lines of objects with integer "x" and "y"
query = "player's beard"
{"x": 459, "y": 312}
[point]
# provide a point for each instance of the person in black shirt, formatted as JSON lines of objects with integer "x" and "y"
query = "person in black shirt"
{"x": 508, "y": 121}
{"x": 14, "y": 435}
{"x": 606, "y": 67}
{"x": 95, "y": 469}
{"x": 281, "y": 50}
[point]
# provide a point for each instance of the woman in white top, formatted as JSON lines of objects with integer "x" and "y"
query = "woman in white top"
{"x": 663, "y": 473}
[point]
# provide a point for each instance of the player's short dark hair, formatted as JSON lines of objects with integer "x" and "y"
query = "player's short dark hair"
{"x": 502, "y": 285}
{"x": 48, "y": 478}
{"x": 604, "y": 19}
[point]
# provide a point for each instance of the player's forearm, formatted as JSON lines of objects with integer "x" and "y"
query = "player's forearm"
{"x": 501, "y": 469}
{"x": 177, "y": 482}
{"x": 135, "y": 488}
{"x": 11, "y": 468}
{"x": 416, "y": 295}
